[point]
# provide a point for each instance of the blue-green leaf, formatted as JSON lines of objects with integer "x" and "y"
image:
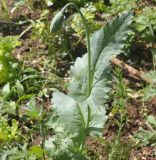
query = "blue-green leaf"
{"x": 106, "y": 42}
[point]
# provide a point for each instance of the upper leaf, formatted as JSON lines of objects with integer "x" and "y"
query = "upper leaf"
{"x": 106, "y": 42}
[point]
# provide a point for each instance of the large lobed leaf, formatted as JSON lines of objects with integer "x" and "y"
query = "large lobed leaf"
{"x": 76, "y": 115}
{"x": 86, "y": 115}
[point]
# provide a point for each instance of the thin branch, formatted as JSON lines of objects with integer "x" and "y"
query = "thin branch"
{"x": 134, "y": 73}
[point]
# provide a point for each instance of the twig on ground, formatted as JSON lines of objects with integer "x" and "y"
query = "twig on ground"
{"x": 132, "y": 72}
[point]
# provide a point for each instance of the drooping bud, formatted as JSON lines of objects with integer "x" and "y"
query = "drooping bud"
{"x": 56, "y": 22}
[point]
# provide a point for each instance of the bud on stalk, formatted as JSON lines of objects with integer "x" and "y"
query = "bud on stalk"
{"x": 56, "y": 22}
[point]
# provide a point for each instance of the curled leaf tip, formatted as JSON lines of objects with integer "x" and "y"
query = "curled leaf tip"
{"x": 56, "y": 22}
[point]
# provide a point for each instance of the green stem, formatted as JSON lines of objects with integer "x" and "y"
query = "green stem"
{"x": 152, "y": 41}
{"x": 89, "y": 87}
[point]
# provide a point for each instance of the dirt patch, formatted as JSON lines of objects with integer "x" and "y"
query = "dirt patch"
{"x": 135, "y": 110}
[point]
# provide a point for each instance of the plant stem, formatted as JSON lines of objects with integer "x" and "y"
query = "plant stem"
{"x": 89, "y": 87}
{"x": 152, "y": 41}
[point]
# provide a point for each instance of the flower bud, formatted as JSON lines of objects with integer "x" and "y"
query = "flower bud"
{"x": 57, "y": 22}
